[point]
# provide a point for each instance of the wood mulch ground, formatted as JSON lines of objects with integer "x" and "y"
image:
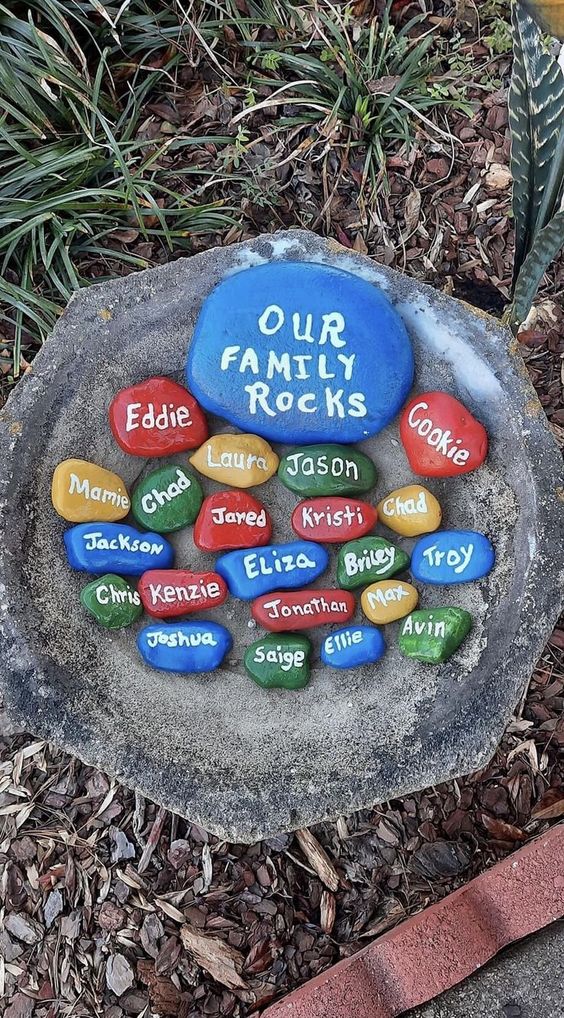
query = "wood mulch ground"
{"x": 111, "y": 906}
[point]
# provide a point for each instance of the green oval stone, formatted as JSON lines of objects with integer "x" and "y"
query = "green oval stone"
{"x": 368, "y": 559}
{"x": 327, "y": 470}
{"x": 113, "y": 601}
{"x": 167, "y": 499}
{"x": 433, "y": 635}
{"x": 279, "y": 661}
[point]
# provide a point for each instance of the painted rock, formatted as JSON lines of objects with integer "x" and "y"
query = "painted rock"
{"x": 240, "y": 460}
{"x": 232, "y": 519}
{"x": 279, "y": 662}
{"x": 327, "y": 470}
{"x": 82, "y": 492}
{"x": 112, "y": 601}
{"x": 300, "y": 352}
{"x": 441, "y": 437}
{"x": 115, "y": 547}
{"x": 170, "y": 593}
{"x": 410, "y": 511}
{"x": 388, "y": 600}
{"x": 157, "y": 417}
{"x": 167, "y": 499}
{"x": 352, "y": 647}
{"x": 184, "y": 646}
{"x": 276, "y": 566}
{"x": 302, "y": 609}
{"x": 452, "y": 556}
{"x": 333, "y": 520}
{"x": 433, "y": 635}
{"x": 369, "y": 559}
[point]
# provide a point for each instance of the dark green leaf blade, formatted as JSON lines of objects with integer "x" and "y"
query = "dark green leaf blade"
{"x": 536, "y": 112}
{"x": 546, "y": 246}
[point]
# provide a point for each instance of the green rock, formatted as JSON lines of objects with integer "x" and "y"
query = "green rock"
{"x": 369, "y": 559}
{"x": 113, "y": 601}
{"x": 167, "y": 499}
{"x": 279, "y": 661}
{"x": 433, "y": 635}
{"x": 327, "y": 470}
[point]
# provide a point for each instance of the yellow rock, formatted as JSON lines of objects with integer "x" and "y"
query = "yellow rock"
{"x": 410, "y": 511}
{"x": 240, "y": 460}
{"x": 388, "y": 600}
{"x": 82, "y": 492}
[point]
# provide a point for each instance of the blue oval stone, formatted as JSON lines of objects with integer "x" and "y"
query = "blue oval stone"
{"x": 250, "y": 573}
{"x": 116, "y": 548}
{"x": 184, "y": 647}
{"x": 353, "y": 646}
{"x": 300, "y": 352}
{"x": 452, "y": 556}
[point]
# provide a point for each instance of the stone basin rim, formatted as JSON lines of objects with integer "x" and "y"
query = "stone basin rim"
{"x": 255, "y": 821}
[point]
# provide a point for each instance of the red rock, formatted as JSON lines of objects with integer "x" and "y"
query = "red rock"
{"x": 332, "y": 519}
{"x": 231, "y": 519}
{"x": 171, "y": 593}
{"x": 441, "y": 437}
{"x": 157, "y": 417}
{"x": 302, "y": 609}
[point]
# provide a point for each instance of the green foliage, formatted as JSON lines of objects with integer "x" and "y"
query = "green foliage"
{"x": 536, "y": 117}
{"x": 76, "y": 166}
{"x": 368, "y": 81}
{"x": 499, "y": 40}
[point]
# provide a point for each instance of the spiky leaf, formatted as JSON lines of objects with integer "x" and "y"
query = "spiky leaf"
{"x": 546, "y": 246}
{"x": 536, "y": 112}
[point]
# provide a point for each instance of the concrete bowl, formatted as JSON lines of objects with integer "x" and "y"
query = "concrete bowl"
{"x": 240, "y": 761}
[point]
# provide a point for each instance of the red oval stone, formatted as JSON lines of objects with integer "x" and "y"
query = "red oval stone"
{"x": 302, "y": 609}
{"x": 333, "y": 519}
{"x": 157, "y": 417}
{"x": 441, "y": 437}
{"x": 170, "y": 593}
{"x": 231, "y": 519}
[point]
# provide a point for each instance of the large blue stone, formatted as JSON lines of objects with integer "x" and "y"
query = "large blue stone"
{"x": 185, "y": 646}
{"x": 250, "y": 573}
{"x": 353, "y": 646}
{"x": 116, "y": 548}
{"x": 300, "y": 352}
{"x": 452, "y": 556}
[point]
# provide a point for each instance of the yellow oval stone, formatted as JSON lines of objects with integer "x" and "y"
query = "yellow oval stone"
{"x": 410, "y": 511}
{"x": 83, "y": 492}
{"x": 242, "y": 461}
{"x": 388, "y": 600}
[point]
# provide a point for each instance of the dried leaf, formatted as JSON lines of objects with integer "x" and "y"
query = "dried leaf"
{"x": 550, "y": 806}
{"x": 318, "y": 858}
{"x": 412, "y": 210}
{"x": 502, "y": 831}
{"x": 222, "y": 961}
{"x": 440, "y": 860}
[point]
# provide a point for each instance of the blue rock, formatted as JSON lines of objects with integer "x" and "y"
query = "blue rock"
{"x": 353, "y": 646}
{"x": 184, "y": 647}
{"x": 452, "y": 556}
{"x": 250, "y": 573}
{"x": 116, "y": 548}
{"x": 300, "y": 353}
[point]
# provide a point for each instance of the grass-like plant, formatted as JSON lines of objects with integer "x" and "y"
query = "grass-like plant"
{"x": 75, "y": 164}
{"x": 371, "y": 81}
{"x": 536, "y": 117}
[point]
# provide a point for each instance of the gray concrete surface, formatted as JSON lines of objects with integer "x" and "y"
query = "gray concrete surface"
{"x": 524, "y": 981}
{"x": 241, "y": 761}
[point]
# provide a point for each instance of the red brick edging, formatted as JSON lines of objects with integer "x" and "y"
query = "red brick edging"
{"x": 441, "y": 945}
